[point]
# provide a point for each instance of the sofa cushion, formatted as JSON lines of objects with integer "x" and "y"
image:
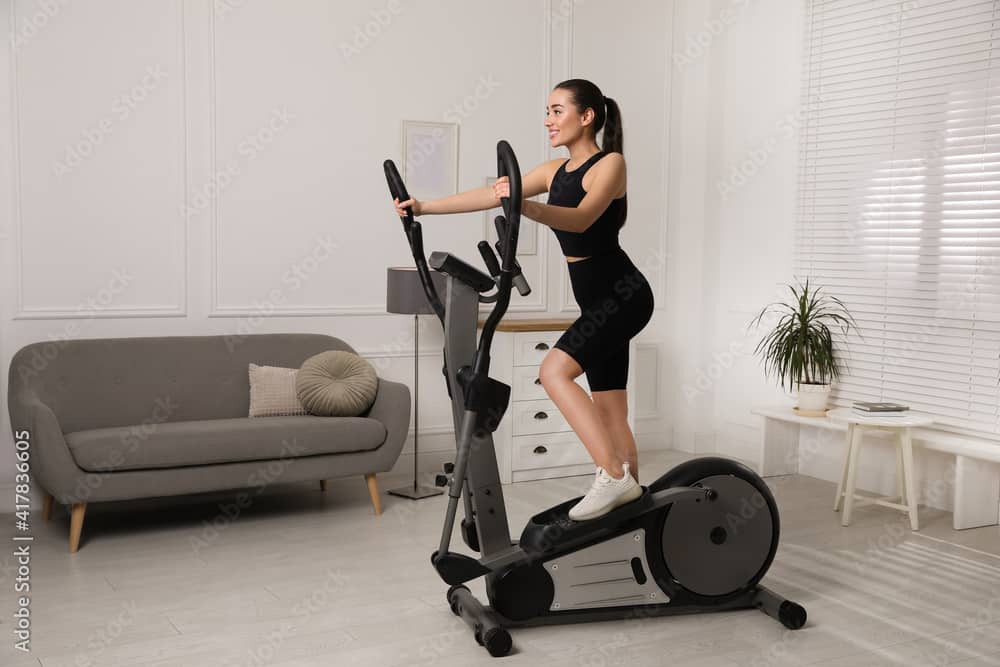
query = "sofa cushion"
{"x": 336, "y": 383}
{"x": 193, "y": 443}
{"x": 272, "y": 392}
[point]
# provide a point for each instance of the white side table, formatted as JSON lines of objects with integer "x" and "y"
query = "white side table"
{"x": 856, "y": 427}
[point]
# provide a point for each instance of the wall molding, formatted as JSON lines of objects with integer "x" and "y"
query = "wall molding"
{"x": 405, "y": 353}
{"x": 668, "y": 96}
{"x": 108, "y": 313}
{"x": 217, "y": 310}
{"x": 567, "y": 303}
{"x": 62, "y": 312}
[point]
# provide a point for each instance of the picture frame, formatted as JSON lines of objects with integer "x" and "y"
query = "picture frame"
{"x": 430, "y": 158}
{"x": 527, "y": 237}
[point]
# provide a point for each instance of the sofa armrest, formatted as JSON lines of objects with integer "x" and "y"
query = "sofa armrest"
{"x": 52, "y": 464}
{"x": 392, "y": 408}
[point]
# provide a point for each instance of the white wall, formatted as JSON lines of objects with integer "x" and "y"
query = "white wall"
{"x": 733, "y": 159}
{"x": 741, "y": 63}
{"x": 165, "y": 163}
{"x": 709, "y": 91}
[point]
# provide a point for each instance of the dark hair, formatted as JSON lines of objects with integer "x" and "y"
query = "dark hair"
{"x": 607, "y": 115}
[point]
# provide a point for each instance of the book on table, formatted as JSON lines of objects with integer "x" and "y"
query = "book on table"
{"x": 867, "y": 406}
{"x": 880, "y": 409}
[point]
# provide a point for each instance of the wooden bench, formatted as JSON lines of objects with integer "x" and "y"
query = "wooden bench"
{"x": 976, "y": 488}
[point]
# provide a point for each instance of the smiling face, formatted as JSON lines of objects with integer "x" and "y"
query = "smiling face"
{"x": 562, "y": 121}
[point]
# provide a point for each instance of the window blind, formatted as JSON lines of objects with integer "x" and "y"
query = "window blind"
{"x": 898, "y": 209}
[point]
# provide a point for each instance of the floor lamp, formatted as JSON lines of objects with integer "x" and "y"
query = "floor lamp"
{"x": 405, "y": 295}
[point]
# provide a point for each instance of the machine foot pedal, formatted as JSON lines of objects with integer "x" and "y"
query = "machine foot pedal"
{"x": 553, "y": 529}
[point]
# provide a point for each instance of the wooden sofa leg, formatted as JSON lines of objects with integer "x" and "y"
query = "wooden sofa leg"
{"x": 76, "y": 526}
{"x": 373, "y": 492}
{"x": 47, "y": 500}
{"x": 322, "y": 485}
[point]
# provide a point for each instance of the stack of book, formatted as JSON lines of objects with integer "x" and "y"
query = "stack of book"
{"x": 880, "y": 409}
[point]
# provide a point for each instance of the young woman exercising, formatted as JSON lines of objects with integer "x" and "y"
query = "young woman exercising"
{"x": 585, "y": 209}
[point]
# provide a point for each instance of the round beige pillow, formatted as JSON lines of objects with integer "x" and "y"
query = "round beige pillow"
{"x": 336, "y": 384}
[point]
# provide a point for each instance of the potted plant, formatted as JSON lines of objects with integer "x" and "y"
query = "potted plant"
{"x": 799, "y": 349}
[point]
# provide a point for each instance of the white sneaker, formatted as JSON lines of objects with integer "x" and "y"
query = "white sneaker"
{"x": 606, "y": 493}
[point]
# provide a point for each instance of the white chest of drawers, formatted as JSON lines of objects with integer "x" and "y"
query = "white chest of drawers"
{"x": 534, "y": 440}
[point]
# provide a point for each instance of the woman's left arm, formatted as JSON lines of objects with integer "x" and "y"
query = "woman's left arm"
{"x": 609, "y": 179}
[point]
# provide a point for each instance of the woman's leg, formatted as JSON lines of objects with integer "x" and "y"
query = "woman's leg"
{"x": 612, "y": 406}
{"x": 557, "y": 373}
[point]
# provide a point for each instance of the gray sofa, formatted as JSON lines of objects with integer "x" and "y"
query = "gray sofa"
{"x": 124, "y": 418}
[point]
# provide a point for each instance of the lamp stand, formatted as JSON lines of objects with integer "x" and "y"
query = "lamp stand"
{"x": 416, "y": 492}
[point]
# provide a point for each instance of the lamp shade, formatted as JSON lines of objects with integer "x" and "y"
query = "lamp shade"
{"x": 405, "y": 293}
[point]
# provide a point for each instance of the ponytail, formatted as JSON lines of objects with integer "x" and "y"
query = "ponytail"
{"x": 613, "y": 141}
{"x": 607, "y": 115}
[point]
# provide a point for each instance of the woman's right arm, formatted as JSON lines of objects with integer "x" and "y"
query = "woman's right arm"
{"x": 476, "y": 199}
{"x": 480, "y": 199}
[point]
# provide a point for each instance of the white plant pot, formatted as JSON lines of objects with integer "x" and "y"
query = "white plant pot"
{"x": 813, "y": 397}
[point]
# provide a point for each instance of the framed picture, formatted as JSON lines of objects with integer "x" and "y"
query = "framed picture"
{"x": 527, "y": 237}
{"x": 430, "y": 158}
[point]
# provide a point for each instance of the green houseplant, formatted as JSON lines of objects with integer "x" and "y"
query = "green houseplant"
{"x": 799, "y": 348}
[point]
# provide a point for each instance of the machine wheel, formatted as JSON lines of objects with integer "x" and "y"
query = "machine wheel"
{"x": 469, "y": 534}
{"x": 497, "y": 641}
{"x": 721, "y": 547}
{"x": 452, "y": 602}
{"x": 792, "y": 615}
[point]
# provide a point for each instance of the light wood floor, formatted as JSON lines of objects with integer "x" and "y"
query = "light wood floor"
{"x": 305, "y": 578}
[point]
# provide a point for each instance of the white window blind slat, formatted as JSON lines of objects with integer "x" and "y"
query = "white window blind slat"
{"x": 898, "y": 203}
{"x": 875, "y": 17}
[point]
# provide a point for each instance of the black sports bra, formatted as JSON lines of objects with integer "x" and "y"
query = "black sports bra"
{"x": 599, "y": 238}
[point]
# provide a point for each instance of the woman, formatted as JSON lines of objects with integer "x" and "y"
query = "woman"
{"x": 585, "y": 209}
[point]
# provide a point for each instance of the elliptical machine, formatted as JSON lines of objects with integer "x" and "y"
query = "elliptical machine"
{"x": 700, "y": 538}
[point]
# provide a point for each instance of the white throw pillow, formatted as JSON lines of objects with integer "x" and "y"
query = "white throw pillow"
{"x": 272, "y": 392}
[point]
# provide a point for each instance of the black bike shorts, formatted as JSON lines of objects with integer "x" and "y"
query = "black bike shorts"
{"x": 616, "y": 303}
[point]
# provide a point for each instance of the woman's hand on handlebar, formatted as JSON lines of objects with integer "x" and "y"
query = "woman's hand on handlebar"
{"x": 501, "y": 188}
{"x": 414, "y": 206}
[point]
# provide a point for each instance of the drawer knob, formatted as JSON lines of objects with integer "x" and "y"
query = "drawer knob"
{"x": 538, "y": 380}
{"x": 541, "y": 415}
{"x": 540, "y": 449}
{"x": 542, "y": 346}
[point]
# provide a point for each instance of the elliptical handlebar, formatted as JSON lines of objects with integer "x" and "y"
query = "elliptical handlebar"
{"x": 415, "y": 235}
{"x": 508, "y": 226}
{"x": 507, "y": 166}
